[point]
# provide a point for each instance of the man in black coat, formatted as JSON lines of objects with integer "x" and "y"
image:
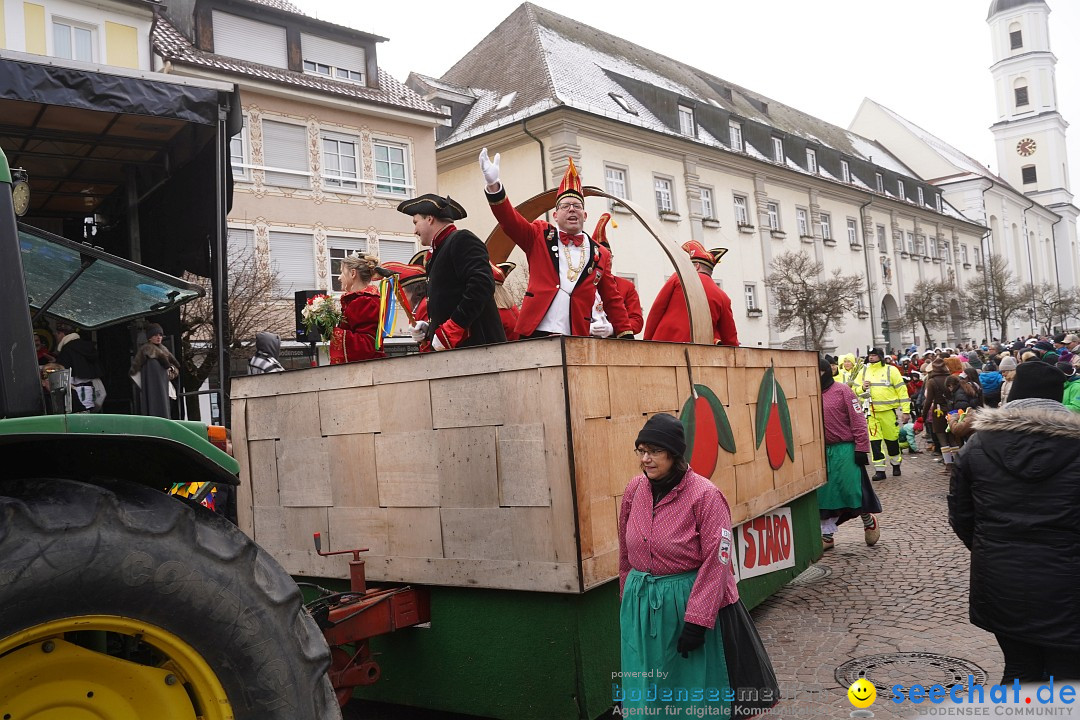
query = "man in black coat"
{"x": 461, "y": 289}
{"x": 1014, "y": 500}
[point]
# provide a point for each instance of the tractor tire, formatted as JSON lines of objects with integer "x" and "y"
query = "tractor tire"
{"x": 121, "y": 575}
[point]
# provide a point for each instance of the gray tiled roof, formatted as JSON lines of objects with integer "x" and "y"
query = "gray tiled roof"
{"x": 174, "y": 47}
{"x": 280, "y": 5}
{"x": 550, "y": 60}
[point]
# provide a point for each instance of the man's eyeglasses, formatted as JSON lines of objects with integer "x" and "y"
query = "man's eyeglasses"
{"x": 651, "y": 452}
{"x": 569, "y": 206}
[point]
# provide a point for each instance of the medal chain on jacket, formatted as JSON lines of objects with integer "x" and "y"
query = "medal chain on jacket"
{"x": 572, "y": 269}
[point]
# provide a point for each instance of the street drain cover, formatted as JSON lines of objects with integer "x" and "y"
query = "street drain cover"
{"x": 907, "y": 669}
{"x": 812, "y": 574}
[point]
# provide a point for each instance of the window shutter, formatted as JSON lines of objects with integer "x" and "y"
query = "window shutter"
{"x": 239, "y": 37}
{"x": 285, "y": 147}
{"x": 398, "y": 250}
{"x": 335, "y": 54}
{"x": 292, "y": 256}
{"x": 241, "y": 242}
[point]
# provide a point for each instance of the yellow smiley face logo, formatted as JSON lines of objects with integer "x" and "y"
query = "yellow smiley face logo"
{"x": 862, "y": 693}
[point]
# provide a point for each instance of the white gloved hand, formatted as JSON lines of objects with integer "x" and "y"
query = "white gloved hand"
{"x": 436, "y": 343}
{"x": 418, "y": 330}
{"x": 490, "y": 168}
{"x": 601, "y": 328}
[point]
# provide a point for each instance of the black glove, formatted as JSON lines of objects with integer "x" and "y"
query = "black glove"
{"x": 693, "y": 637}
{"x": 861, "y": 458}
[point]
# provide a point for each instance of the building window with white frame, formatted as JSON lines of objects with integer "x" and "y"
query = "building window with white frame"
{"x": 778, "y": 149}
{"x": 735, "y": 135}
{"x": 333, "y": 59}
{"x": 665, "y": 200}
{"x": 615, "y": 181}
{"x": 921, "y": 197}
{"x": 920, "y": 248}
{"x": 338, "y": 248}
{"x": 802, "y": 220}
{"x": 708, "y": 211}
{"x": 879, "y": 183}
{"x": 239, "y": 152}
{"x": 391, "y": 167}
{"x": 686, "y": 121}
{"x": 909, "y": 242}
{"x": 750, "y": 292}
{"x": 285, "y": 154}
{"x": 340, "y": 160}
{"x": 937, "y": 201}
{"x": 976, "y": 253}
{"x": 811, "y": 161}
{"x": 882, "y": 242}
{"x": 845, "y": 171}
{"x": 826, "y": 226}
{"x": 292, "y": 257}
{"x": 852, "y": 231}
{"x": 901, "y": 192}
{"x": 73, "y": 41}
{"x": 396, "y": 250}
{"x": 964, "y": 254}
{"x": 947, "y": 252}
{"x": 773, "y": 209}
{"x": 742, "y": 214}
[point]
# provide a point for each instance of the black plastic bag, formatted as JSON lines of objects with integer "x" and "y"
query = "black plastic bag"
{"x": 750, "y": 672}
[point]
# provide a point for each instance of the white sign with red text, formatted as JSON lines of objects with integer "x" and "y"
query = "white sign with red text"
{"x": 766, "y": 544}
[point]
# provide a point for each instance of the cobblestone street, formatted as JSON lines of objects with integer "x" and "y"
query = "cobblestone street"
{"x": 907, "y": 594}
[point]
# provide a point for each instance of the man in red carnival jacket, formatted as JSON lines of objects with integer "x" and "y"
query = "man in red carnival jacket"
{"x": 566, "y": 268}
{"x": 668, "y": 318}
{"x": 626, "y": 287}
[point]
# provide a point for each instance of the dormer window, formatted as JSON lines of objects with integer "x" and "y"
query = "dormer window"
{"x": 622, "y": 103}
{"x": 506, "y": 100}
{"x": 332, "y": 59}
{"x": 251, "y": 40}
{"x": 686, "y": 121}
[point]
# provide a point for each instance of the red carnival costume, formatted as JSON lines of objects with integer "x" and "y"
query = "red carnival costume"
{"x": 588, "y": 269}
{"x": 354, "y": 337}
{"x": 626, "y": 287}
{"x": 509, "y": 316}
{"x": 668, "y": 319}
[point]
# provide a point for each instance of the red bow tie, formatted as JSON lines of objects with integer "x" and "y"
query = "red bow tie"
{"x": 567, "y": 238}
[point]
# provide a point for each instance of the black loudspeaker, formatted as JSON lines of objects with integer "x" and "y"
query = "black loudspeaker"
{"x": 301, "y": 298}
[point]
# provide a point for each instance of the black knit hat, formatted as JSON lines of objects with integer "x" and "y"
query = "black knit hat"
{"x": 153, "y": 329}
{"x": 1037, "y": 380}
{"x": 878, "y": 352}
{"x": 664, "y": 431}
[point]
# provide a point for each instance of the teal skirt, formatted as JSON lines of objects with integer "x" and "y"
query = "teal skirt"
{"x": 843, "y": 484}
{"x": 654, "y": 674}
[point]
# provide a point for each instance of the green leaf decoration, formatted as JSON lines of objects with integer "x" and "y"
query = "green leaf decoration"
{"x": 764, "y": 401}
{"x": 723, "y": 425}
{"x": 785, "y": 420}
{"x": 689, "y": 421}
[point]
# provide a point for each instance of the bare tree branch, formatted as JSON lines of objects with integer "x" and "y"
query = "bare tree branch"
{"x": 809, "y": 299}
{"x": 998, "y": 293}
{"x": 928, "y": 305}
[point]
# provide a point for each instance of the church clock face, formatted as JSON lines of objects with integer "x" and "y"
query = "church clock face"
{"x": 1026, "y": 147}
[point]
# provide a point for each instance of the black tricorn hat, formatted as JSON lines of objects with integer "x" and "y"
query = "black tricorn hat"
{"x": 444, "y": 208}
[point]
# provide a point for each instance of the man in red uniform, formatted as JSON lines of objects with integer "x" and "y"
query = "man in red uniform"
{"x": 566, "y": 268}
{"x": 626, "y": 287}
{"x": 668, "y": 319}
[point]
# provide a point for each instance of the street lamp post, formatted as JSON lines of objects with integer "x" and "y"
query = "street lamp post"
{"x": 1031, "y": 319}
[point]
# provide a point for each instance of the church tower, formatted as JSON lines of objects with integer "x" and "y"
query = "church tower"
{"x": 1029, "y": 131}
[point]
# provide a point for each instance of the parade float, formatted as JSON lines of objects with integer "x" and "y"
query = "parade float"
{"x": 489, "y": 479}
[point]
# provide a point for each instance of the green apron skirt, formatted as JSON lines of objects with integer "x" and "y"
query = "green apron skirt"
{"x": 843, "y": 485}
{"x": 654, "y": 674}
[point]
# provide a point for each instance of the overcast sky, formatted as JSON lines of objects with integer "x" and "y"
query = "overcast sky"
{"x": 928, "y": 60}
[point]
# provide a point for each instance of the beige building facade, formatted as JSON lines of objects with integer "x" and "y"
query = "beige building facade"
{"x": 109, "y": 32}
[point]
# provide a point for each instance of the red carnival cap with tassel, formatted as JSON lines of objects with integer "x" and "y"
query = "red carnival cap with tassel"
{"x": 600, "y": 233}
{"x": 570, "y": 185}
{"x": 697, "y": 252}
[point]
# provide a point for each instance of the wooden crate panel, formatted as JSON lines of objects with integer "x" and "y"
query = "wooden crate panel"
{"x": 522, "y": 466}
{"x": 407, "y": 464}
{"x": 553, "y": 414}
{"x": 493, "y": 359}
{"x": 802, "y": 419}
{"x": 605, "y": 526}
{"x": 497, "y": 574}
{"x": 522, "y": 389}
{"x": 807, "y": 382}
{"x": 291, "y": 416}
{"x": 786, "y": 377}
{"x": 468, "y": 475}
{"x": 415, "y": 532}
{"x": 477, "y": 533}
{"x": 742, "y": 429}
{"x": 245, "y": 500}
{"x": 600, "y": 569}
{"x": 714, "y": 378}
{"x": 349, "y": 411}
{"x": 286, "y": 533}
{"x": 360, "y": 528}
{"x": 264, "y": 480}
{"x": 533, "y": 529}
{"x": 301, "y": 381}
{"x": 303, "y": 472}
{"x": 353, "y": 479}
{"x": 404, "y": 406}
{"x": 590, "y": 387}
{"x": 752, "y": 479}
{"x": 467, "y": 401}
{"x": 642, "y": 390}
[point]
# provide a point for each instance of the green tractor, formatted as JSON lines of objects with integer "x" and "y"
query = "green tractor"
{"x": 117, "y": 599}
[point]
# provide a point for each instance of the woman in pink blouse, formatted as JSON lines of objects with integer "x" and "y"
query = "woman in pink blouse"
{"x": 675, "y": 574}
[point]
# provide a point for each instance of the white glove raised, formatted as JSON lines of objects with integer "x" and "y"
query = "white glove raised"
{"x": 601, "y": 328}
{"x": 490, "y": 168}
{"x": 436, "y": 343}
{"x": 418, "y": 330}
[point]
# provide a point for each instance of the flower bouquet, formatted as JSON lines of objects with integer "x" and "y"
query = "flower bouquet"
{"x": 322, "y": 312}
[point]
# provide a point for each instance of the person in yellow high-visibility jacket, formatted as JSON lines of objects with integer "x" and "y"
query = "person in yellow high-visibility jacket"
{"x": 888, "y": 399}
{"x": 847, "y": 369}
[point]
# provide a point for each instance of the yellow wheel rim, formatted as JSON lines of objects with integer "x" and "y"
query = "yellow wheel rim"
{"x": 59, "y": 671}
